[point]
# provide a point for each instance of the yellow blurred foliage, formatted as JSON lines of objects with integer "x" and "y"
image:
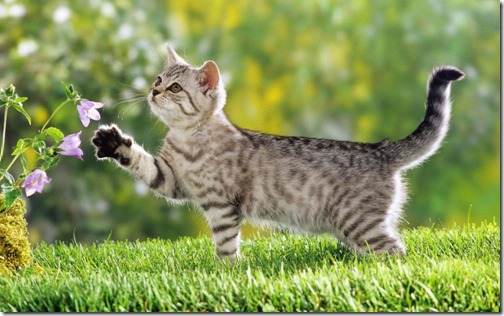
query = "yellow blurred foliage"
{"x": 274, "y": 94}
{"x": 197, "y": 16}
{"x": 253, "y": 73}
{"x": 34, "y": 235}
{"x": 232, "y": 17}
{"x": 39, "y": 115}
{"x": 31, "y": 157}
{"x": 360, "y": 91}
{"x": 339, "y": 55}
{"x": 490, "y": 172}
{"x": 365, "y": 124}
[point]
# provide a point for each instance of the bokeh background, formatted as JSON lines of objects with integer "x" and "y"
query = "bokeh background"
{"x": 349, "y": 70}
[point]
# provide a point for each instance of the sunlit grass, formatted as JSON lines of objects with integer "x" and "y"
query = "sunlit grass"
{"x": 445, "y": 270}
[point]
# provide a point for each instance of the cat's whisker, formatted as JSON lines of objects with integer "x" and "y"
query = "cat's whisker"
{"x": 132, "y": 98}
{"x": 155, "y": 124}
{"x": 130, "y": 101}
{"x": 130, "y": 87}
{"x": 123, "y": 111}
{"x": 129, "y": 104}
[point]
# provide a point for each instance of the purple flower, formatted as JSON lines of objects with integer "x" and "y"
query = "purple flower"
{"x": 88, "y": 111}
{"x": 35, "y": 182}
{"x": 70, "y": 146}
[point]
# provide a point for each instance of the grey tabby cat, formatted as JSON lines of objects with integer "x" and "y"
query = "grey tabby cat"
{"x": 351, "y": 190}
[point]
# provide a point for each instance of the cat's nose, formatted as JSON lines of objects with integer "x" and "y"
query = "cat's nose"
{"x": 155, "y": 92}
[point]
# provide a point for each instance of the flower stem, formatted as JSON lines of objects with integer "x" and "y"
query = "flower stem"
{"x": 10, "y": 165}
{"x": 54, "y": 113}
{"x": 3, "y": 132}
{"x": 12, "y": 162}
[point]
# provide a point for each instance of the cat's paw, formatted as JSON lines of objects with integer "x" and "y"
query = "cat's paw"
{"x": 228, "y": 259}
{"x": 110, "y": 142}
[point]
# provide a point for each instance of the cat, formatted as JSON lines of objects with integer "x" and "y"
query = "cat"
{"x": 351, "y": 190}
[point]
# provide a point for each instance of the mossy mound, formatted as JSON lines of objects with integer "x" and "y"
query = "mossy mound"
{"x": 15, "y": 251}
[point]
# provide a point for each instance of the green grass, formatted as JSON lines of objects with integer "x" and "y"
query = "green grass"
{"x": 445, "y": 270}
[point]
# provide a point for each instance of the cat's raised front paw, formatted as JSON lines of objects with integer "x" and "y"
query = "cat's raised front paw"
{"x": 110, "y": 142}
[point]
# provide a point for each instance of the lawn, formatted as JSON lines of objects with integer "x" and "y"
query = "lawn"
{"x": 455, "y": 269}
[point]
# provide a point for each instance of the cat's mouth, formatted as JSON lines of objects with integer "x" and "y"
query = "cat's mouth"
{"x": 151, "y": 98}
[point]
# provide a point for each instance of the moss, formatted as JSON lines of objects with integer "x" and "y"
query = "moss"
{"x": 15, "y": 251}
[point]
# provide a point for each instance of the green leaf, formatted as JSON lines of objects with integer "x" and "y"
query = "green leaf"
{"x": 50, "y": 162}
{"x": 20, "y": 99}
{"x": 7, "y": 176}
{"x": 39, "y": 146}
{"x": 19, "y": 107}
{"x": 55, "y": 133}
{"x": 24, "y": 163}
{"x": 10, "y": 194}
{"x": 10, "y": 90}
{"x": 21, "y": 146}
{"x": 39, "y": 137}
{"x": 68, "y": 90}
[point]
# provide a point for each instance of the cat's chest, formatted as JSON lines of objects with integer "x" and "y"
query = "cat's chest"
{"x": 198, "y": 164}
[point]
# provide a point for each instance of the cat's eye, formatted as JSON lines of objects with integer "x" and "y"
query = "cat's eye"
{"x": 175, "y": 88}
{"x": 158, "y": 81}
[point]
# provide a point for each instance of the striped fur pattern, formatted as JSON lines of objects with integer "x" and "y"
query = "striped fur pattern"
{"x": 351, "y": 190}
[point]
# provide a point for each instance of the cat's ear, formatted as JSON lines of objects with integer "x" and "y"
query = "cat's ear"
{"x": 172, "y": 58}
{"x": 211, "y": 75}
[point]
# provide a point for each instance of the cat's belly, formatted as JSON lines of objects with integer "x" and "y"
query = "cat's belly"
{"x": 295, "y": 212}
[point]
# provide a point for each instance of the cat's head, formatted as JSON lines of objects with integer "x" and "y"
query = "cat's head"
{"x": 184, "y": 96}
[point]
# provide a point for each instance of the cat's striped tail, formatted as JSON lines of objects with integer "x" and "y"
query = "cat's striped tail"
{"x": 426, "y": 139}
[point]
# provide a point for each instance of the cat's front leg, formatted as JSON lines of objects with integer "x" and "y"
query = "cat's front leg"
{"x": 225, "y": 223}
{"x": 111, "y": 143}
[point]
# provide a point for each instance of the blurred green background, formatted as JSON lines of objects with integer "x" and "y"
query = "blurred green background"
{"x": 349, "y": 70}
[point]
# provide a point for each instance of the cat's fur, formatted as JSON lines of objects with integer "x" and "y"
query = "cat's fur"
{"x": 351, "y": 190}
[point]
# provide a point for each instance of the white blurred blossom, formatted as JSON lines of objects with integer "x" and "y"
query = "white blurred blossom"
{"x": 61, "y": 14}
{"x": 26, "y": 47}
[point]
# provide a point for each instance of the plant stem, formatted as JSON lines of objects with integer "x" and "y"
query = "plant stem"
{"x": 54, "y": 113}
{"x": 3, "y": 132}
{"x": 10, "y": 165}
{"x": 12, "y": 162}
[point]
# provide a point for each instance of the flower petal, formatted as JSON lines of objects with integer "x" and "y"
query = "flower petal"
{"x": 88, "y": 111}
{"x": 85, "y": 104}
{"x": 35, "y": 182}
{"x": 81, "y": 109}
{"x": 70, "y": 146}
{"x": 97, "y": 105}
{"x": 71, "y": 141}
{"x": 94, "y": 114}
{"x": 73, "y": 152}
{"x": 85, "y": 120}
{"x": 30, "y": 191}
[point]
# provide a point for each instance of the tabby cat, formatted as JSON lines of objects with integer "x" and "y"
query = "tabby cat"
{"x": 351, "y": 190}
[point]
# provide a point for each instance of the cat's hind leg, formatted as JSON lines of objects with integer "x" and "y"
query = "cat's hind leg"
{"x": 373, "y": 235}
{"x": 381, "y": 243}
{"x": 370, "y": 224}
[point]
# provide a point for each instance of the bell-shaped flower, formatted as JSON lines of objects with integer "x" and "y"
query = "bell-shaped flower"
{"x": 70, "y": 146}
{"x": 88, "y": 111}
{"x": 35, "y": 182}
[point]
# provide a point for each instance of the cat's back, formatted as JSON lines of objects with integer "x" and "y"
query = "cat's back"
{"x": 316, "y": 154}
